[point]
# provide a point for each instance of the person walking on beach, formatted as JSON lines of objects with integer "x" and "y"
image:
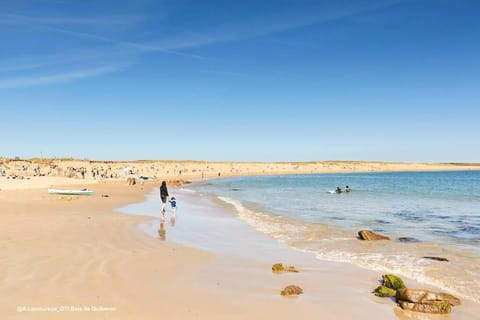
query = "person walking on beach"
{"x": 163, "y": 196}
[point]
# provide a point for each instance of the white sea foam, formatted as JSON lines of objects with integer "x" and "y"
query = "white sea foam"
{"x": 265, "y": 223}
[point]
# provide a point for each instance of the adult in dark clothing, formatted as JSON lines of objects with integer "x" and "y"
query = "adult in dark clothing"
{"x": 163, "y": 195}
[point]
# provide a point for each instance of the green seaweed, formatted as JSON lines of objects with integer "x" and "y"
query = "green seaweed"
{"x": 393, "y": 282}
{"x": 382, "y": 291}
{"x": 443, "y": 306}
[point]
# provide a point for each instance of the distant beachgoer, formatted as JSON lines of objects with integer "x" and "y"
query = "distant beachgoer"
{"x": 347, "y": 189}
{"x": 173, "y": 203}
{"x": 142, "y": 182}
{"x": 163, "y": 195}
{"x": 338, "y": 190}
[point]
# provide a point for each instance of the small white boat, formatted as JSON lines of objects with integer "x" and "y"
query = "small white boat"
{"x": 82, "y": 192}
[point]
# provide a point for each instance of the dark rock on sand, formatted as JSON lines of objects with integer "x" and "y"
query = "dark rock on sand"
{"x": 408, "y": 240}
{"x": 370, "y": 235}
{"x": 279, "y": 268}
{"x": 291, "y": 291}
{"x": 382, "y": 291}
{"x": 436, "y": 258}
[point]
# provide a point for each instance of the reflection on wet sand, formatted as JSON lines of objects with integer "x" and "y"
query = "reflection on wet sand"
{"x": 162, "y": 233}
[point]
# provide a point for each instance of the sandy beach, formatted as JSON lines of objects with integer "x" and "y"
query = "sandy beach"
{"x": 74, "y": 257}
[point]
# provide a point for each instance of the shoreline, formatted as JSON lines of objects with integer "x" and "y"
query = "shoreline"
{"x": 261, "y": 250}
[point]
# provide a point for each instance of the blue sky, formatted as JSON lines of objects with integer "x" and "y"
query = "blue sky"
{"x": 387, "y": 80}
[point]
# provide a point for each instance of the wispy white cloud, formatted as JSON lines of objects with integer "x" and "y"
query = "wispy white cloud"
{"x": 237, "y": 30}
{"x": 19, "y": 82}
{"x": 84, "y": 21}
{"x": 266, "y": 25}
{"x": 255, "y": 27}
{"x": 138, "y": 46}
{"x": 31, "y": 62}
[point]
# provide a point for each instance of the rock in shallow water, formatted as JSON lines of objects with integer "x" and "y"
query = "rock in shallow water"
{"x": 370, "y": 235}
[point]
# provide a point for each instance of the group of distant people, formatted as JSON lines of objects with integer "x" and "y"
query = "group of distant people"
{"x": 339, "y": 190}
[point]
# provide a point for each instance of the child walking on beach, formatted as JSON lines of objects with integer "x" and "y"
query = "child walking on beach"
{"x": 173, "y": 203}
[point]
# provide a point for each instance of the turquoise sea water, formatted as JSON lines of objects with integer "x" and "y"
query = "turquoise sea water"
{"x": 439, "y": 210}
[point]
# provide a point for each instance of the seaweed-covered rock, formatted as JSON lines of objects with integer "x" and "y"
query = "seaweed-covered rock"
{"x": 382, "y": 291}
{"x": 370, "y": 235}
{"x": 279, "y": 268}
{"x": 291, "y": 290}
{"x": 416, "y": 299}
{"x": 393, "y": 282}
{"x": 439, "y": 307}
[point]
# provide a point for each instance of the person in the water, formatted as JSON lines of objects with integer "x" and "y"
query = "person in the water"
{"x": 347, "y": 189}
{"x": 338, "y": 190}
